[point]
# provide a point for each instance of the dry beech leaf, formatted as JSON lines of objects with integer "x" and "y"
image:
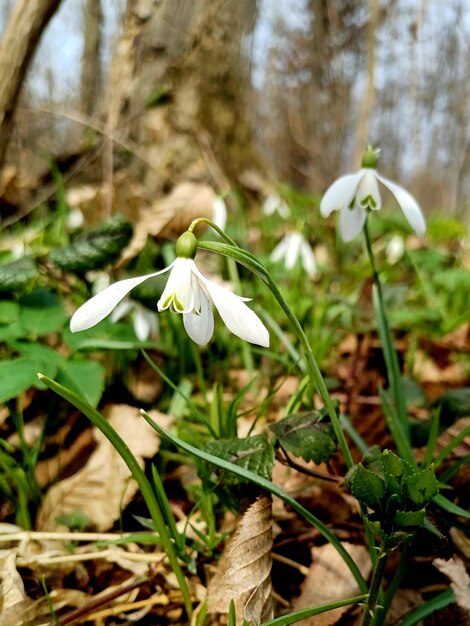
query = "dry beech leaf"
{"x": 11, "y": 585}
{"x": 171, "y": 215}
{"x": 103, "y": 487}
{"x": 330, "y": 579}
{"x": 244, "y": 570}
{"x": 455, "y": 570}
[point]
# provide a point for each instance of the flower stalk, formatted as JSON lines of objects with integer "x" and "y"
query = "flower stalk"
{"x": 371, "y": 609}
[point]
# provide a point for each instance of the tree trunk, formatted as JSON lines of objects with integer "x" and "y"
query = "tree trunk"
{"x": 90, "y": 82}
{"x": 178, "y": 88}
{"x": 22, "y": 34}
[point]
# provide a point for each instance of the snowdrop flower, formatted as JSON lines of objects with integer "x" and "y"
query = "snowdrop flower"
{"x": 356, "y": 194}
{"x": 292, "y": 247}
{"x": 275, "y": 204}
{"x": 395, "y": 249}
{"x": 219, "y": 212}
{"x": 145, "y": 322}
{"x": 187, "y": 292}
{"x": 75, "y": 219}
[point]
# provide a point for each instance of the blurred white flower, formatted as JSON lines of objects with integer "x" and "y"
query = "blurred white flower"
{"x": 219, "y": 212}
{"x": 293, "y": 247}
{"x": 75, "y": 219}
{"x": 187, "y": 292}
{"x": 144, "y": 321}
{"x": 355, "y": 194}
{"x": 275, "y": 204}
{"x": 395, "y": 249}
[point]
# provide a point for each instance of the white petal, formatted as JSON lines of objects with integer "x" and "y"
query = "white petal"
{"x": 351, "y": 222}
{"x": 238, "y": 318}
{"x": 142, "y": 324}
{"x": 219, "y": 212}
{"x": 340, "y": 194}
{"x": 270, "y": 204}
{"x": 368, "y": 194}
{"x": 200, "y": 327}
{"x": 292, "y": 253}
{"x": 283, "y": 209}
{"x": 121, "y": 310}
{"x": 101, "y": 305}
{"x": 308, "y": 259}
{"x": 179, "y": 294}
{"x": 280, "y": 250}
{"x": 408, "y": 205}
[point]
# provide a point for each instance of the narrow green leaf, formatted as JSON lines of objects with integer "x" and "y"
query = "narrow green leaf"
{"x": 429, "y": 607}
{"x": 297, "y": 616}
{"x": 84, "y": 377}
{"x": 450, "y": 507}
{"x": 306, "y": 437}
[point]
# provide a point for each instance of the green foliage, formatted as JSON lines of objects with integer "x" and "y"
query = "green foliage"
{"x": 17, "y": 276}
{"x": 306, "y": 436}
{"x": 95, "y": 249}
{"x": 394, "y": 493}
{"x": 16, "y": 375}
{"x": 42, "y": 312}
{"x": 86, "y": 378}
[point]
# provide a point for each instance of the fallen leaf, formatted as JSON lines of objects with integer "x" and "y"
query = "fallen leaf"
{"x": 11, "y": 586}
{"x": 244, "y": 570}
{"x": 455, "y": 570}
{"x": 330, "y": 579}
{"x": 104, "y": 486}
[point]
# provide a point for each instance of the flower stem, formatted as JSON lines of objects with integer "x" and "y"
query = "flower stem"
{"x": 389, "y": 352}
{"x": 396, "y": 580}
{"x": 375, "y": 585}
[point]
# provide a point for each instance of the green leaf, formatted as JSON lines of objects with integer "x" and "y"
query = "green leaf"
{"x": 306, "y": 437}
{"x": 42, "y": 312}
{"x": 421, "y": 487}
{"x": 83, "y": 377}
{"x": 392, "y": 464}
{"x": 47, "y": 360}
{"x": 16, "y": 375}
{"x": 96, "y": 249}
{"x": 17, "y": 275}
{"x": 9, "y": 311}
{"x": 409, "y": 518}
{"x": 255, "y": 454}
{"x": 450, "y": 507}
{"x": 366, "y": 486}
{"x": 453, "y": 404}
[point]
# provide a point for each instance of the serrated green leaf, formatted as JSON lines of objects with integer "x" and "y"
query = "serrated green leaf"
{"x": 421, "y": 487}
{"x": 42, "y": 312}
{"x": 252, "y": 453}
{"x": 392, "y": 464}
{"x": 306, "y": 437}
{"x": 409, "y": 518}
{"x": 16, "y": 375}
{"x": 96, "y": 249}
{"x": 9, "y": 311}
{"x": 366, "y": 486}
{"x": 83, "y": 377}
{"x": 17, "y": 275}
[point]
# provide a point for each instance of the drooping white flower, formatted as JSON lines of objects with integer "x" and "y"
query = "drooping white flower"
{"x": 187, "y": 292}
{"x": 144, "y": 321}
{"x": 219, "y": 212}
{"x": 292, "y": 247}
{"x": 275, "y": 204}
{"x": 356, "y": 194}
{"x": 395, "y": 249}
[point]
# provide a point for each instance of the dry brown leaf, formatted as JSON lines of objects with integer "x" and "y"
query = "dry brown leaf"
{"x": 244, "y": 570}
{"x": 461, "y": 541}
{"x": 455, "y": 570}
{"x": 103, "y": 487}
{"x": 170, "y": 216}
{"x": 11, "y": 586}
{"x": 426, "y": 370}
{"x": 330, "y": 579}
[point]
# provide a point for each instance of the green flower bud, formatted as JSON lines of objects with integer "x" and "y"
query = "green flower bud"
{"x": 186, "y": 246}
{"x": 371, "y": 157}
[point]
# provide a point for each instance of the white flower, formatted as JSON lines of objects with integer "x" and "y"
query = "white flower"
{"x": 187, "y": 292}
{"x": 75, "y": 219}
{"x": 274, "y": 204}
{"x": 219, "y": 212}
{"x": 292, "y": 247}
{"x": 145, "y": 322}
{"x": 354, "y": 194}
{"x": 395, "y": 249}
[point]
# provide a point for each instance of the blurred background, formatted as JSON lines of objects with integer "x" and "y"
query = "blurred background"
{"x": 129, "y": 99}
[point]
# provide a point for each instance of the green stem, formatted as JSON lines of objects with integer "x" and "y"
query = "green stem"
{"x": 396, "y": 580}
{"x": 247, "y": 259}
{"x": 206, "y": 220}
{"x": 138, "y": 474}
{"x": 375, "y": 585}
{"x": 390, "y": 355}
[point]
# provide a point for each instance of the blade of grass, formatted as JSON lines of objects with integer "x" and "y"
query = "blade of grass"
{"x": 297, "y": 616}
{"x": 144, "y": 485}
{"x": 268, "y": 486}
{"x": 424, "y": 610}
